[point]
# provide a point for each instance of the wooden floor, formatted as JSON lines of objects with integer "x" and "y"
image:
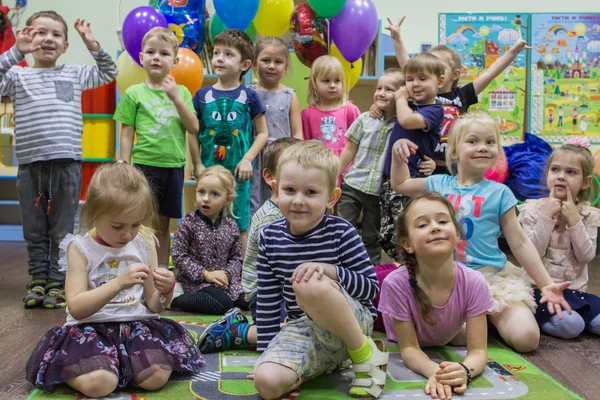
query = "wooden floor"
{"x": 575, "y": 363}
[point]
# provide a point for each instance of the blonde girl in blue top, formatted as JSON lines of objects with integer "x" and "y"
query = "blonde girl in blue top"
{"x": 485, "y": 210}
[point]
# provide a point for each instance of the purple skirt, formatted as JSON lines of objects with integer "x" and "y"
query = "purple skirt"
{"x": 125, "y": 348}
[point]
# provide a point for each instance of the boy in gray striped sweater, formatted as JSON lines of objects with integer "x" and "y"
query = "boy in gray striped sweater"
{"x": 48, "y": 128}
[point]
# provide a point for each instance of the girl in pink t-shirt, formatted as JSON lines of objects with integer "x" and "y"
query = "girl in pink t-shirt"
{"x": 427, "y": 301}
{"x": 329, "y": 116}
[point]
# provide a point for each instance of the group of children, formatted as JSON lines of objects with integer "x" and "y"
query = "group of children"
{"x": 262, "y": 237}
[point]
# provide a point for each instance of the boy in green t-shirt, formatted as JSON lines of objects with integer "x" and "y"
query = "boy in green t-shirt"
{"x": 160, "y": 112}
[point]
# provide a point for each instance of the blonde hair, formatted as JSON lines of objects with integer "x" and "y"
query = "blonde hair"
{"x": 395, "y": 73}
{"x": 587, "y": 165}
{"x": 117, "y": 189}
{"x": 425, "y": 62}
{"x": 277, "y": 44}
{"x": 163, "y": 34}
{"x": 453, "y": 60}
{"x": 227, "y": 181}
{"x": 312, "y": 154}
{"x": 324, "y": 66}
{"x": 410, "y": 259}
{"x": 460, "y": 128}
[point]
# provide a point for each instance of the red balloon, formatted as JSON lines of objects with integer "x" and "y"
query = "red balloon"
{"x": 309, "y": 34}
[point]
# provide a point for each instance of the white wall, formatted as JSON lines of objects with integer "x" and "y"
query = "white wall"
{"x": 420, "y": 24}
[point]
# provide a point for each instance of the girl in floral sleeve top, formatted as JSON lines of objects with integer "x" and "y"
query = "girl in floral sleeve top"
{"x": 207, "y": 248}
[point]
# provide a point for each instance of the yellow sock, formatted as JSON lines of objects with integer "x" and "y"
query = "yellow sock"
{"x": 360, "y": 355}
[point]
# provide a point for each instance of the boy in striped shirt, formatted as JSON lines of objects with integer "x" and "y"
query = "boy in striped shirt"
{"x": 317, "y": 265}
{"x": 48, "y": 128}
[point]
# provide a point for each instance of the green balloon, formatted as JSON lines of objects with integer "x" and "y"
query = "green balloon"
{"x": 153, "y": 3}
{"x": 327, "y": 8}
{"x": 217, "y": 26}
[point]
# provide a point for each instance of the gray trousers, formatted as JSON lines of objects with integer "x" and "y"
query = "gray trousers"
{"x": 49, "y": 196}
{"x": 349, "y": 207}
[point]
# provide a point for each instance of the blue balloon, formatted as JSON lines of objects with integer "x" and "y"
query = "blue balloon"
{"x": 237, "y": 14}
{"x": 190, "y": 18}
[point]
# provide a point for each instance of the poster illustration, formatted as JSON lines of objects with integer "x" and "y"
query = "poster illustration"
{"x": 565, "y": 98}
{"x": 480, "y": 39}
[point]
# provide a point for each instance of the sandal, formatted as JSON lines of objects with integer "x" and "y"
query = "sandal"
{"x": 55, "y": 296}
{"x": 36, "y": 293}
{"x": 376, "y": 370}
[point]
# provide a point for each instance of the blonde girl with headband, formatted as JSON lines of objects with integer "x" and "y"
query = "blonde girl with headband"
{"x": 113, "y": 335}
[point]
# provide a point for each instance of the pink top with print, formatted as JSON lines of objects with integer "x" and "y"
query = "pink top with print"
{"x": 329, "y": 126}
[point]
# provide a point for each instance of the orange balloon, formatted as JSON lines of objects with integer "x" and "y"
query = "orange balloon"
{"x": 189, "y": 71}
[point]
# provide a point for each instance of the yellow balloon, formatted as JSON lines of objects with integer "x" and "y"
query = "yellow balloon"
{"x": 130, "y": 73}
{"x": 273, "y": 17}
{"x": 351, "y": 71}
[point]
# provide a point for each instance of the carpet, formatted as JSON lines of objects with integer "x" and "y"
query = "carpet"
{"x": 507, "y": 376}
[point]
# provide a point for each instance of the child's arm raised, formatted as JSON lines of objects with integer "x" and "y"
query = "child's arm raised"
{"x": 16, "y": 54}
{"x": 529, "y": 258}
{"x": 126, "y": 143}
{"x": 401, "y": 53}
{"x": 407, "y": 118}
{"x": 183, "y": 105}
{"x": 243, "y": 171}
{"x": 83, "y": 302}
{"x": 295, "y": 118}
{"x": 105, "y": 70}
{"x": 481, "y": 82}
{"x": 400, "y": 174}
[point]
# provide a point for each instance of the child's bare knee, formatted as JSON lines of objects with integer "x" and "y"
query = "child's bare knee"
{"x": 99, "y": 383}
{"x": 154, "y": 377}
{"x": 271, "y": 383}
{"x": 525, "y": 339}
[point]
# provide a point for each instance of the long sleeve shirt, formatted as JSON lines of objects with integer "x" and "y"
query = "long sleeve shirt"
{"x": 200, "y": 245}
{"x": 333, "y": 241}
{"x": 47, "y": 104}
{"x": 565, "y": 251}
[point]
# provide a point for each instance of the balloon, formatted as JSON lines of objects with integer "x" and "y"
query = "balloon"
{"x": 130, "y": 73}
{"x": 499, "y": 171}
{"x": 273, "y": 17}
{"x": 354, "y": 28}
{"x": 137, "y": 23}
{"x": 352, "y": 71}
{"x": 327, "y": 8}
{"x": 308, "y": 34}
{"x": 236, "y": 14}
{"x": 187, "y": 19}
{"x": 188, "y": 71}
{"x": 217, "y": 26}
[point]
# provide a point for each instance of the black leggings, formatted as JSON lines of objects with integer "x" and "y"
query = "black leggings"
{"x": 209, "y": 300}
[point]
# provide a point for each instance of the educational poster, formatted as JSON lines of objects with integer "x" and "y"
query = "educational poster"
{"x": 565, "y": 95}
{"x": 480, "y": 39}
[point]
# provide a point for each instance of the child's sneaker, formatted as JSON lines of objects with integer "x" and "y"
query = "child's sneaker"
{"x": 36, "y": 293}
{"x": 371, "y": 374}
{"x": 228, "y": 332}
{"x": 55, "y": 296}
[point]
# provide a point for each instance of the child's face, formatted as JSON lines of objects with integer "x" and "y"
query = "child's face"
{"x": 565, "y": 173}
{"x": 157, "y": 57}
{"x": 270, "y": 65}
{"x": 423, "y": 86}
{"x": 450, "y": 73}
{"x": 329, "y": 87}
{"x": 119, "y": 230}
{"x": 478, "y": 149}
{"x": 211, "y": 197}
{"x": 431, "y": 232}
{"x": 50, "y": 35}
{"x": 384, "y": 94}
{"x": 303, "y": 195}
{"x": 227, "y": 62}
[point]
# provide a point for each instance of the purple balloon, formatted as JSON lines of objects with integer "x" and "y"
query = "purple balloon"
{"x": 354, "y": 28}
{"x": 137, "y": 23}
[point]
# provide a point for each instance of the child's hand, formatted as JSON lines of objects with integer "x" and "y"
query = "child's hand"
{"x": 375, "y": 112}
{"x": 519, "y": 45}
{"x": 569, "y": 210}
{"x": 452, "y": 374}
{"x": 135, "y": 274}
{"x": 218, "y": 278}
{"x": 305, "y": 271}
{"x": 437, "y": 390}
{"x": 24, "y": 40}
{"x": 163, "y": 279}
{"x": 553, "y": 295}
{"x": 403, "y": 149}
{"x": 553, "y": 205}
{"x": 169, "y": 86}
{"x": 427, "y": 166}
{"x": 85, "y": 31}
{"x": 395, "y": 29}
{"x": 243, "y": 171}
{"x": 402, "y": 93}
